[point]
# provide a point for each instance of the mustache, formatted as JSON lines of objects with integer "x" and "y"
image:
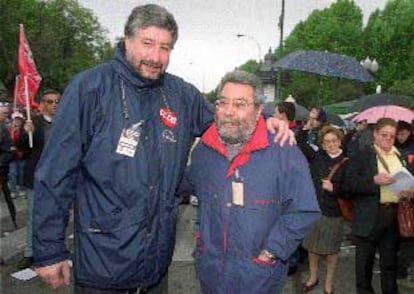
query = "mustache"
{"x": 230, "y": 121}
{"x": 151, "y": 63}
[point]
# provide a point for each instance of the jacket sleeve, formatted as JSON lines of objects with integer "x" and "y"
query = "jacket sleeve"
{"x": 359, "y": 177}
{"x": 56, "y": 176}
{"x": 202, "y": 112}
{"x": 299, "y": 207}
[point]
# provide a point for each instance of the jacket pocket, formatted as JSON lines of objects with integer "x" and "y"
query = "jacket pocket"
{"x": 114, "y": 221}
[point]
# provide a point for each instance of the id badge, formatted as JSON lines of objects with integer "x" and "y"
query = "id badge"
{"x": 238, "y": 193}
{"x": 128, "y": 142}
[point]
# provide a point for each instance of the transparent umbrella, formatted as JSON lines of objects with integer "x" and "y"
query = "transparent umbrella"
{"x": 325, "y": 64}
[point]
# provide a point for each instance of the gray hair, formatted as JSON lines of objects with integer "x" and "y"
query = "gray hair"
{"x": 150, "y": 15}
{"x": 242, "y": 77}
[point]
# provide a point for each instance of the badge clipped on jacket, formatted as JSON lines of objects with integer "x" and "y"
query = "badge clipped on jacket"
{"x": 128, "y": 142}
{"x": 237, "y": 190}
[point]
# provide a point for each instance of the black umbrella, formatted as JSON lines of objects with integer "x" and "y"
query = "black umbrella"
{"x": 378, "y": 99}
{"x": 301, "y": 112}
{"x": 325, "y": 64}
{"x": 334, "y": 119}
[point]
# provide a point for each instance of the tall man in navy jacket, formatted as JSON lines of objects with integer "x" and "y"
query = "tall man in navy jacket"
{"x": 256, "y": 198}
{"x": 117, "y": 150}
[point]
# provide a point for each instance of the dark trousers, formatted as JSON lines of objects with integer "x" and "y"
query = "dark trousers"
{"x": 385, "y": 238}
{"x": 4, "y": 171}
{"x": 160, "y": 288}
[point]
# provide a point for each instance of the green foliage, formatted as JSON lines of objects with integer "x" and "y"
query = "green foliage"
{"x": 64, "y": 37}
{"x": 211, "y": 96}
{"x": 389, "y": 38}
{"x": 251, "y": 66}
{"x": 404, "y": 88}
{"x": 335, "y": 29}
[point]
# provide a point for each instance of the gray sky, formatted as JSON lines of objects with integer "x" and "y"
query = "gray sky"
{"x": 207, "y": 46}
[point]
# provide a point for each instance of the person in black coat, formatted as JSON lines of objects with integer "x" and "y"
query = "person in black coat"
{"x": 6, "y": 156}
{"x": 40, "y": 128}
{"x": 375, "y": 223}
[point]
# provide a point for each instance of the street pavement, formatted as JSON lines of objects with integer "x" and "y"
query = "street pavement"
{"x": 181, "y": 276}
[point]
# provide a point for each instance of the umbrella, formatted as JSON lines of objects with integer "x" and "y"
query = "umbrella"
{"x": 392, "y": 111}
{"x": 334, "y": 119}
{"x": 378, "y": 99}
{"x": 325, "y": 64}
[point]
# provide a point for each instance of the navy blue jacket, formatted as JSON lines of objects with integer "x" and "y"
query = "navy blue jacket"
{"x": 124, "y": 207}
{"x": 279, "y": 209}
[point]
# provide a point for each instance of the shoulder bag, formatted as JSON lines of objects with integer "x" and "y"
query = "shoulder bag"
{"x": 345, "y": 205}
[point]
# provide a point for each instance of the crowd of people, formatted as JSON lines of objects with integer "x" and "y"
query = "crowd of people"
{"x": 374, "y": 152}
{"x": 117, "y": 152}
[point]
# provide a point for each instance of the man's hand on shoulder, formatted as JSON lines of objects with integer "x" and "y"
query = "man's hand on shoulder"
{"x": 283, "y": 132}
{"x": 55, "y": 275}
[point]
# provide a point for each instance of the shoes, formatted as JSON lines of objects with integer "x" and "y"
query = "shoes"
{"x": 308, "y": 288}
{"x": 25, "y": 262}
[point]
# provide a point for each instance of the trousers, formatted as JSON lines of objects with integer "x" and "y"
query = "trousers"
{"x": 384, "y": 237}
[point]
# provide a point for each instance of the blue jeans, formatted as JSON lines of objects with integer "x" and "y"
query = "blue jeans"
{"x": 16, "y": 175}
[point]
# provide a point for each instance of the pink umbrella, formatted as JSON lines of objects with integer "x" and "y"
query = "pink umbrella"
{"x": 392, "y": 111}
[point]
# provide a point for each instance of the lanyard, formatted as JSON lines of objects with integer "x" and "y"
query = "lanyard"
{"x": 125, "y": 110}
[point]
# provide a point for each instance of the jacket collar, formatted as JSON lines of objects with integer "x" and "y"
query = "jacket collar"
{"x": 128, "y": 73}
{"x": 258, "y": 140}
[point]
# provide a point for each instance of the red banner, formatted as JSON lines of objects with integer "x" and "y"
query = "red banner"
{"x": 29, "y": 79}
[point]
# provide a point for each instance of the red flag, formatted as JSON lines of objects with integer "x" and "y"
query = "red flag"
{"x": 28, "y": 73}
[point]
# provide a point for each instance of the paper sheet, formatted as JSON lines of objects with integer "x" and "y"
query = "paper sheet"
{"x": 28, "y": 274}
{"x": 404, "y": 180}
{"x": 24, "y": 275}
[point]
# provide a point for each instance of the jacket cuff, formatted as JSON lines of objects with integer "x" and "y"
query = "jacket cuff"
{"x": 51, "y": 259}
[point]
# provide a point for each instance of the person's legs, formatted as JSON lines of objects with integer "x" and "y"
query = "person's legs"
{"x": 364, "y": 263}
{"x": 313, "y": 269}
{"x": 388, "y": 249}
{"x": 28, "y": 251}
{"x": 331, "y": 263}
{"x": 4, "y": 171}
{"x": 160, "y": 288}
{"x": 20, "y": 176}
{"x": 13, "y": 177}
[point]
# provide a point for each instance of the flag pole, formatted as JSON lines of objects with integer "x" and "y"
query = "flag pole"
{"x": 29, "y": 119}
{"x": 16, "y": 92}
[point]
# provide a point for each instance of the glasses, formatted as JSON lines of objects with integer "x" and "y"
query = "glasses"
{"x": 239, "y": 105}
{"x": 51, "y": 101}
{"x": 333, "y": 141}
{"x": 387, "y": 136}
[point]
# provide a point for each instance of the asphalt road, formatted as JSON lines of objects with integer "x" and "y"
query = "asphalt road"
{"x": 182, "y": 278}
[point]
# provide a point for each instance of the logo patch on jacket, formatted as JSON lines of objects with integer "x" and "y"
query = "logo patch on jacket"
{"x": 168, "y": 117}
